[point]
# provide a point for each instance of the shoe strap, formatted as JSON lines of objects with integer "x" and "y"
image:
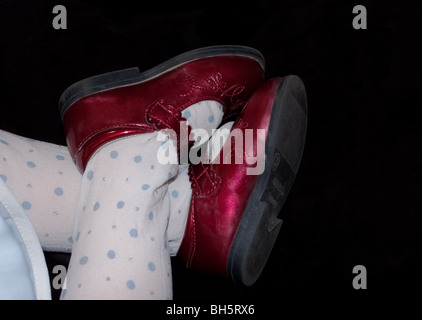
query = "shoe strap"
{"x": 162, "y": 115}
{"x": 204, "y": 180}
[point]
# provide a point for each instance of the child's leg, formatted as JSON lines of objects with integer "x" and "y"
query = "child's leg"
{"x": 44, "y": 179}
{"x": 47, "y": 183}
{"x": 120, "y": 248}
{"x": 120, "y": 242}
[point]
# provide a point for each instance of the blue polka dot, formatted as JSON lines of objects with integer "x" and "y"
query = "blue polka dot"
{"x": 4, "y": 142}
{"x": 3, "y": 177}
{"x": 113, "y": 154}
{"x": 186, "y": 114}
{"x": 120, "y": 204}
{"x": 174, "y": 194}
{"x": 30, "y": 164}
{"x": 96, "y": 206}
{"x": 70, "y": 240}
{"x": 59, "y": 157}
{"x": 145, "y": 186}
{"x": 77, "y": 236}
{"x": 151, "y": 215}
{"x": 90, "y": 175}
{"x": 169, "y": 176}
{"x": 26, "y": 205}
{"x": 151, "y": 266}
{"x": 111, "y": 254}
{"x": 211, "y": 118}
{"x": 58, "y": 191}
{"x": 165, "y": 145}
{"x": 133, "y": 233}
{"x": 130, "y": 284}
{"x": 84, "y": 260}
{"x": 137, "y": 159}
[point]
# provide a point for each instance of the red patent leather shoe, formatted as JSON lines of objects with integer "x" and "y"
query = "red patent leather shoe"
{"x": 233, "y": 224}
{"x": 100, "y": 109}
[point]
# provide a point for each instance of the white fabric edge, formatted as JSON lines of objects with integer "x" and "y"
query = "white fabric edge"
{"x": 30, "y": 240}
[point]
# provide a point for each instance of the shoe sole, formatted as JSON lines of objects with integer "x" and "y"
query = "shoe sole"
{"x": 131, "y": 76}
{"x": 260, "y": 224}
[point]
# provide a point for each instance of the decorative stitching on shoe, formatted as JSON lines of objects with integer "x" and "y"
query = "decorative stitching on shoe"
{"x": 190, "y": 81}
{"x": 162, "y": 115}
{"x": 193, "y": 251}
{"x": 217, "y": 85}
{"x": 204, "y": 180}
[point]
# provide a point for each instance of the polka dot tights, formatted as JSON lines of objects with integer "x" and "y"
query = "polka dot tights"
{"x": 120, "y": 235}
{"x": 122, "y": 219}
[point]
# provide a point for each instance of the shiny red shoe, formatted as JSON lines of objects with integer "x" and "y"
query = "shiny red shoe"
{"x": 102, "y": 108}
{"x": 233, "y": 221}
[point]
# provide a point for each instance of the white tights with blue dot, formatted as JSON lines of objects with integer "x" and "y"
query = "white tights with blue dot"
{"x": 122, "y": 219}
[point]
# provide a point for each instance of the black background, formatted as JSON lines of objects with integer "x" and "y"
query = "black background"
{"x": 356, "y": 199}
